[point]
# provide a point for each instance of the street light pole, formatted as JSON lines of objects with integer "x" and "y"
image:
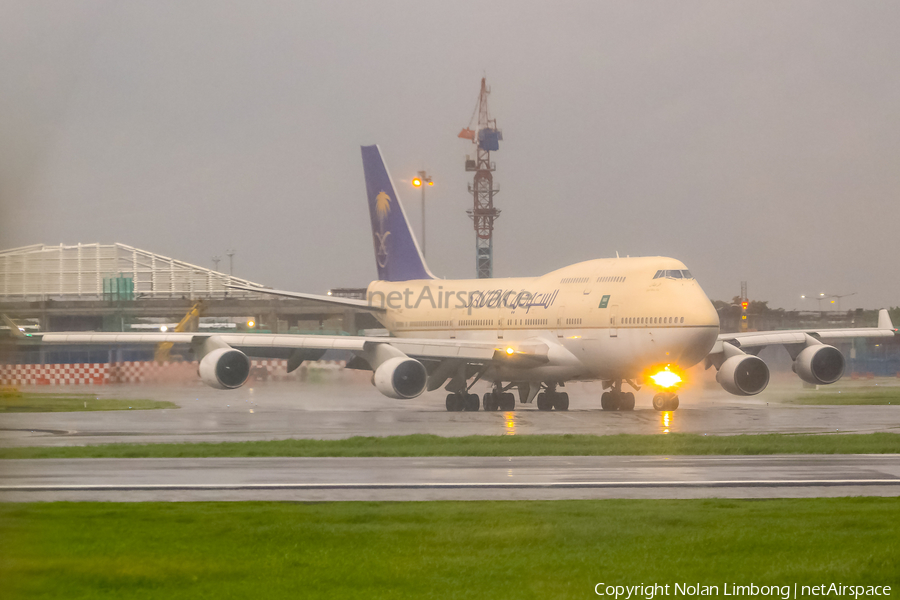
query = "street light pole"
{"x": 419, "y": 181}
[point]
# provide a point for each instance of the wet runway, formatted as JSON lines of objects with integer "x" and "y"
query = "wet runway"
{"x": 449, "y": 478}
{"x": 348, "y": 407}
{"x": 344, "y": 409}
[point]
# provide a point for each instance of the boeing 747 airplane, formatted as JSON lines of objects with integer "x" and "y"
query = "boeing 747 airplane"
{"x": 623, "y": 321}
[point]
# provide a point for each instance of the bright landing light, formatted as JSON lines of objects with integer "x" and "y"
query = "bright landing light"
{"x": 666, "y": 378}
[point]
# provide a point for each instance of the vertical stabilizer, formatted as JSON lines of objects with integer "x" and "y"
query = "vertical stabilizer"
{"x": 884, "y": 319}
{"x": 397, "y": 254}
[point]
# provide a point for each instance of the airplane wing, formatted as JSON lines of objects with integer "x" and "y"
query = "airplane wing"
{"x": 417, "y": 348}
{"x": 817, "y": 362}
{"x": 421, "y": 363}
{"x": 754, "y": 341}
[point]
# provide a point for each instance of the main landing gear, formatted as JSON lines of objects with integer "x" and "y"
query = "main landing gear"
{"x": 498, "y": 400}
{"x": 495, "y": 400}
{"x": 616, "y": 399}
{"x": 665, "y": 401}
{"x": 462, "y": 401}
{"x": 553, "y": 400}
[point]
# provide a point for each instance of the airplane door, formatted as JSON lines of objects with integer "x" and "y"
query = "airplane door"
{"x": 613, "y": 320}
{"x": 455, "y": 315}
{"x": 560, "y": 321}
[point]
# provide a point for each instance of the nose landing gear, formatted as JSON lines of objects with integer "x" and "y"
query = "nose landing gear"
{"x": 665, "y": 401}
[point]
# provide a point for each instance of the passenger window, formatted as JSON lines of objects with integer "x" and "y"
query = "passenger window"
{"x": 682, "y": 319}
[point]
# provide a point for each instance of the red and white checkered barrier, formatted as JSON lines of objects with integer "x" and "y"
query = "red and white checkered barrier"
{"x": 144, "y": 372}
{"x": 95, "y": 373}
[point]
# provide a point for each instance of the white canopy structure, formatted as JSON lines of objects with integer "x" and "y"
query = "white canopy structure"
{"x": 98, "y": 271}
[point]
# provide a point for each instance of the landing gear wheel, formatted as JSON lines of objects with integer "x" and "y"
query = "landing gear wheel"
{"x": 608, "y": 401}
{"x": 665, "y": 401}
{"x": 471, "y": 402}
{"x": 660, "y": 401}
{"x": 544, "y": 402}
{"x": 455, "y": 402}
{"x": 489, "y": 402}
{"x": 626, "y": 401}
{"x": 507, "y": 401}
{"x": 561, "y": 401}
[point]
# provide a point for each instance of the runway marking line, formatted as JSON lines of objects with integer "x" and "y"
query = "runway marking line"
{"x": 475, "y": 485}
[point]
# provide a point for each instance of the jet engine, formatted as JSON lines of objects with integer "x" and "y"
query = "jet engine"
{"x": 224, "y": 368}
{"x": 743, "y": 375}
{"x": 400, "y": 377}
{"x": 819, "y": 364}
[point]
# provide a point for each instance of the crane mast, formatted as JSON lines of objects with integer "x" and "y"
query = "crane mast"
{"x": 486, "y": 138}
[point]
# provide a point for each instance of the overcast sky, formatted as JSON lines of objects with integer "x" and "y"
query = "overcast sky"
{"x": 755, "y": 141}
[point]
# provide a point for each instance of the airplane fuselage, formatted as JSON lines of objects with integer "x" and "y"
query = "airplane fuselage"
{"x": 600, "y": 319}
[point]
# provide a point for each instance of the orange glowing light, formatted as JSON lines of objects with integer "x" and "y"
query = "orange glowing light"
{"x": 510, "y": 351}
{"x": 666, "y": 378}
{"x": 430, "y": 183}
{"x": 417, "y": 182}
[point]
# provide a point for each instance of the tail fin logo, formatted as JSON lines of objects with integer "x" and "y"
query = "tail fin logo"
{"x": 382, "y": 209}
{"x": 381, "y": 252}
{"x": 382, "y": 205}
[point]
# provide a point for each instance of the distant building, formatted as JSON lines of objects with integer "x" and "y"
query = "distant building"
{"x": 106, "y": 272}
{"x": 115, "y": 287}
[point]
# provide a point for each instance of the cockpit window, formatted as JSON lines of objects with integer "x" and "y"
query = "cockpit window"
{"x": 673, "y": 274}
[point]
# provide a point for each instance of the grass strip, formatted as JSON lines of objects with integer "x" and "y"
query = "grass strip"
{"x": 483, "y": 445}
{"x": 849, "y": 397}
{"x": 447, "y": 550}
{"x": 40, "y": 402}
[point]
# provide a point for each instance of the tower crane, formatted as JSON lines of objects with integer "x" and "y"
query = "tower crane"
{"x": 482, "y": 131}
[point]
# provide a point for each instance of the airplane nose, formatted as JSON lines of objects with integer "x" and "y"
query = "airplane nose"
{"x": 711, "y": 318}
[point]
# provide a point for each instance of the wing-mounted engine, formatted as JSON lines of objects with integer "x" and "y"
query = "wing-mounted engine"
{"x": 819, "y": 364}
{"x": 396, "y": 375}
{"x": 400, "y": 378}
{"x": 740, "y": 373}
{"x": 743, "y": 375}
{"x": 221, "y": 366}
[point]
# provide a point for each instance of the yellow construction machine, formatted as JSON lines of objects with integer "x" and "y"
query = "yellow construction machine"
{"x": 190, "y": 322}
